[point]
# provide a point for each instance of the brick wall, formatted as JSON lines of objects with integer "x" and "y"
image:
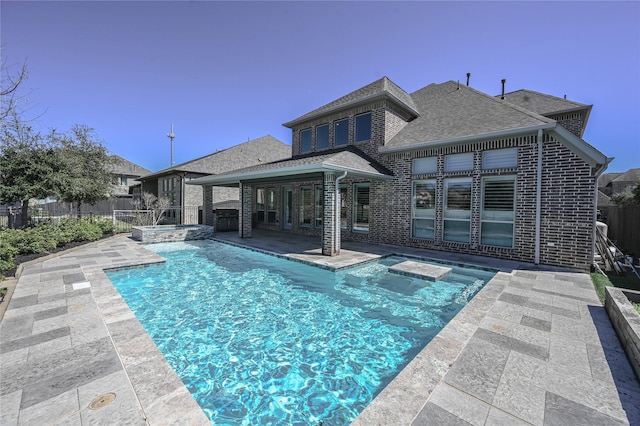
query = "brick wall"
{"x": 567, "y": 206}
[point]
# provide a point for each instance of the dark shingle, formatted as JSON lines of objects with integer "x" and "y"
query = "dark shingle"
{"x": 541, "y": 103}
{"x": 450, "y": 111}
{"x": 381, "y": 87}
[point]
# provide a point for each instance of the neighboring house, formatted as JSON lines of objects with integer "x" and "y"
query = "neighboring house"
{"x": 124, "y": 174}
{"x": 623, "y": 182}
{"x": 170, "y": 182}
{"x": 446, "y": 167}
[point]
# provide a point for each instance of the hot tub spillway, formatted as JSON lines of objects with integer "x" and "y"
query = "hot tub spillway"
{"x": 171, "y": 233}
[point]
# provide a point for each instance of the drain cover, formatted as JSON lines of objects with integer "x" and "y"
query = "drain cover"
{"x": 102, "y": 401}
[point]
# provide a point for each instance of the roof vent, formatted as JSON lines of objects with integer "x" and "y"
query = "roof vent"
{"x": 468, "y": 77}
{"x": 503, "y": 82}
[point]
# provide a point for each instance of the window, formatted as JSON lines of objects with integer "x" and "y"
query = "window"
{"x": 500, "y": 158}
{"x": 123, "y": 180}
{"x": 423, "y": 212}
{"x": 341, "y": 132}
{"x": 305, "y": 140}
{"x": 458, "y": 162}
{"x": 457, "y": 210}
{"x": 260, "y": 204}
{"x": 425, "y": 165}
{"x": 318, "y": 205}
{"x": 363, "y": 127}
{"x": 361, "y": 207}
{"x": 322, "y": 136}
{"x": 498, "y": 211}
{"x": 343, "y": 206}
{"x": 306, "y": 206}
{"x": 271, "y": 205}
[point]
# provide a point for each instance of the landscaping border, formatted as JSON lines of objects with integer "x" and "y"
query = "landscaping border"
{"x": 626, "y": 321}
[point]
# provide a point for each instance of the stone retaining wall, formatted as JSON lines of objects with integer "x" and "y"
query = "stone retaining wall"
{"x": 626, "y": 321}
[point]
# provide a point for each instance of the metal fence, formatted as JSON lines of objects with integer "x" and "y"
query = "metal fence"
{"x": 123, "y": 220}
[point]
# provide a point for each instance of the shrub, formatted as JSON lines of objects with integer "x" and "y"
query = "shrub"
{"x": 8, "y": 253}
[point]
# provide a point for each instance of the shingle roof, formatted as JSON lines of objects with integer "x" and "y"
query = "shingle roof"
{"x": 631, "y": 175}
{"x": 379, "y": 88}
{"x": 541, "y": 103}
{"x": 348, "y": 158}
{"x": 122, "y": 166}
{"x": 606, "y": 178}
{"x": 260, "y": 150}
{"x": 451, "y": 111}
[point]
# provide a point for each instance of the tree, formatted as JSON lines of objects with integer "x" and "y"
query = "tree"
{"x": 84, "y": 163}
{"x": 9, "y": 89}
{"x": 157, "y": 206}
{"x": 28, "y": 165}
{"x": 628, "y": 197}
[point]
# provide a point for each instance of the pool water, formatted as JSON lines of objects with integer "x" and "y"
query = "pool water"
{"x": 262, "y": 340}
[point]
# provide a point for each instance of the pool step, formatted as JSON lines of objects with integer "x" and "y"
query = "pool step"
{"x": 420, "y": 270}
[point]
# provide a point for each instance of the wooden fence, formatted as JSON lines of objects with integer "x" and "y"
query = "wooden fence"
{"x": 624, "y": 228}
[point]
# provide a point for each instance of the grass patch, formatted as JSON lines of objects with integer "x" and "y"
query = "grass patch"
{"x": 627, "y": 280}
{"x": 600, "y": 282}
{"x": 636, "y": 306}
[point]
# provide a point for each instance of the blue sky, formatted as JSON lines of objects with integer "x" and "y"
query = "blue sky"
{"x": 226, "y": 72}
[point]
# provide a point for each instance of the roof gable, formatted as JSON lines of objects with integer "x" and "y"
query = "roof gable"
{"x": 348, "y": 158}
{"x": 122, "y": 166}
{"x": 450, "y": 111}
{"x": 261, "y": 150}
{"x": 382, "y": 88}
{"x": 631, "y": 175}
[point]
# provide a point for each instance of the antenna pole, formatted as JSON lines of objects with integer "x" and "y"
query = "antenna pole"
{"x": 171, "y": 136}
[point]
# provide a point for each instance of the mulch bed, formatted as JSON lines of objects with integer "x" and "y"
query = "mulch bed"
{"x": 22, "y": 258}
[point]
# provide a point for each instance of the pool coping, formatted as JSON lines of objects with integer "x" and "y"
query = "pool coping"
{"x": 163, "y": 398}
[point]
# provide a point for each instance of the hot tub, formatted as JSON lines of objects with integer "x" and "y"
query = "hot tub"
{"x": 170, "y": 233}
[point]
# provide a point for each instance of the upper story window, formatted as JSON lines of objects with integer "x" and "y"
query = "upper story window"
{"x": 500, "y": 158}
{"x": 458, "y": 162}
{"x": 363, "y": 127}
{"x": 305, "y": 140}
{"x": 322, "y": 136}
{"x": 341, "y": 132}
{"x": 123, "y": 180}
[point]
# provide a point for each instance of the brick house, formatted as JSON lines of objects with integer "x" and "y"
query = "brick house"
{"x": 446, "y": 167}
{"x": 171, "y": 182}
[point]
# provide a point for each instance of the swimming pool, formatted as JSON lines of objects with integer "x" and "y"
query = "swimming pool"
{"x": 257, "y": 339}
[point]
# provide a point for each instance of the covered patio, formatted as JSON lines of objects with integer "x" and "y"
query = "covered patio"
{"x": 325, "y": 170}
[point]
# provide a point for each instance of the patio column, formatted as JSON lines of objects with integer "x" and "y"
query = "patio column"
{"x": 244, "y": 229}
{"x": 207, "y": 205}
{"x": 329, "y": 232}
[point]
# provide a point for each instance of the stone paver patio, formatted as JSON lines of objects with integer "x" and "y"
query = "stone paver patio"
{"x": 533, "y": 347}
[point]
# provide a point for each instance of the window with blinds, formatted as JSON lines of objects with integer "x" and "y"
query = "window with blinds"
{"x": 361, "y": 207}
{"x": 457, "y": 210}
{"x": 426, "y": 165}
{"x": 500, "y": 159}
{"x": 423, "y": 209}
{"x": 498, "y": 211}
{"x": 458, "y": 162}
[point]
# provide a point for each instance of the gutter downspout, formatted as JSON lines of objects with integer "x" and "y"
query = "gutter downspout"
{"x": 538, "y": 199}
{"x": 597, "y": 173}
{"x": 336, "y": 237}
